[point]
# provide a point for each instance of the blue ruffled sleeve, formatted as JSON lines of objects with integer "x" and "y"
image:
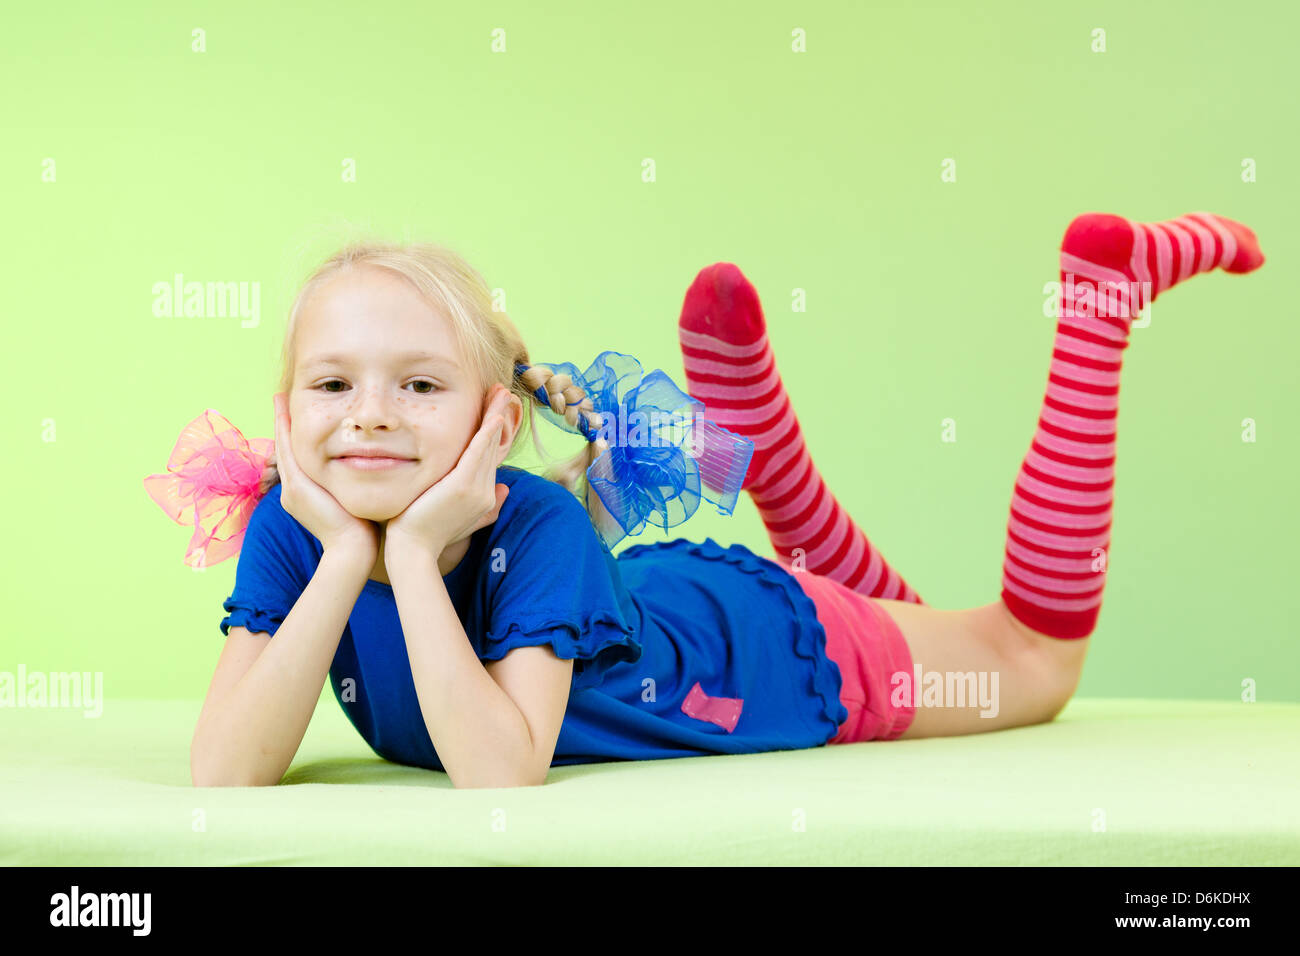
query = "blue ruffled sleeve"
{"x": 276, "y": 561}
{"x": 552, "y": 581}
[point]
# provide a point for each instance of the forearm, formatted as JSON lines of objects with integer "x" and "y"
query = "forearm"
{"x": 481, "y": 737}
{"x": 251, "y": 735}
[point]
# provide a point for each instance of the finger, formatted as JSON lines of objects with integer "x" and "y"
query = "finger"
{"x": 284, "y": 462}
{"x": 501, "y": 450}
{"x": 471, "y": 458}
{"x": 489, "y": 435}
{"x": 497, "y": 406}
{"x": 483, "y": 469}
{"x": 279, "y": 430}
{"x": 498, "y": 401}
{"x": 494, "y": 447}
{"x": 280, "y": 442}
{"x": 468, "y": 470}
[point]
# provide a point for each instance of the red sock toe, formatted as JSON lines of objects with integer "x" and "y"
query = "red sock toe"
{"x": 731, "y": 369}
{"x": 1248, "y": 257}
{"x": 723, "y": 304}
{"x": 1058, "y": 530}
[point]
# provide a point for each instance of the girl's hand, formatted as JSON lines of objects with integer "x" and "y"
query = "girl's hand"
{"x": 466, "y": 499}
{"x": 311, "y": 505}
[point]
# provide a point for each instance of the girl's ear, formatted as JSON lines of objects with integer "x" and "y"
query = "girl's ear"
{"x": 512, "y": 410}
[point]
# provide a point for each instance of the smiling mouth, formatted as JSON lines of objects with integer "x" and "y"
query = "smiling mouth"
{"x": 369, "y": 463}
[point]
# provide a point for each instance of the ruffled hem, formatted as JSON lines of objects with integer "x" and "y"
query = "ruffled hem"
{"x": 810, "y": 640}
{"x": 257, "y": 621}
{"x": 595, "y": 645}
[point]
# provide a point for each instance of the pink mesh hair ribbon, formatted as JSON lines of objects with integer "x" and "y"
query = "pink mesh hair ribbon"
{"x": 213, "y": 482}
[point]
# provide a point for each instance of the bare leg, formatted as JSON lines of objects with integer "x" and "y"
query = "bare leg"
{"x": 1036, "y": 636}
{"x": 1036, "y": 674}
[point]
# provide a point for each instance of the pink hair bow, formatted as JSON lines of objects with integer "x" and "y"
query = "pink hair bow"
{"x": 213, "y": 482}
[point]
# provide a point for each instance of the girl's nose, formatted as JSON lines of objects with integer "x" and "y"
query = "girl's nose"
{"x": 374, "y": 408}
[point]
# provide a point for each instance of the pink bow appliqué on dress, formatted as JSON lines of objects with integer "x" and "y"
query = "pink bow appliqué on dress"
{"x": 213, "y": 482}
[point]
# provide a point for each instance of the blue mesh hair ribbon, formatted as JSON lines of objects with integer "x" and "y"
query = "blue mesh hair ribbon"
{"x": 660, "y": 454}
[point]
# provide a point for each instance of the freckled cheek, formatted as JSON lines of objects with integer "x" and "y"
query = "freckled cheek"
{"x": 314, "y": 429}
{"x": 431, "y": 423}
{"x": 314, "y": 418}
{"x": 429, "y": 432}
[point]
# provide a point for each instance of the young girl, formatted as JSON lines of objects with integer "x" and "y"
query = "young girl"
{"x": 471, "y": 617}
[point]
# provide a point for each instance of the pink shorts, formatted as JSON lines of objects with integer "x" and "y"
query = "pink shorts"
{"x": 868, "y": 647}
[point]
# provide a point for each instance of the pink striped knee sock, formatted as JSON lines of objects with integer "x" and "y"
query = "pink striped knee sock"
{"x": 731, "y": 369}
{"x": 1058, "y": 533}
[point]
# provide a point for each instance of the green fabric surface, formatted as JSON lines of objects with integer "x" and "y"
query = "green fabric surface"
{"x": 1178, "y": 782}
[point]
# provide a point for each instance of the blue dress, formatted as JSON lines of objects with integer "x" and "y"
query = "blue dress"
{"x": 642, "y": 629}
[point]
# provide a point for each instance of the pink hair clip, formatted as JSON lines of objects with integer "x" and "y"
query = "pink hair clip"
{"x": 213, "y": 482}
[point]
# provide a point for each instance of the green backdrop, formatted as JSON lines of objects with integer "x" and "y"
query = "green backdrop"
{"x": 521, "y": 134}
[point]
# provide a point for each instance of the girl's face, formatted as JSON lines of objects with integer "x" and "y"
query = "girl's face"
{"x": 359, "y": 384}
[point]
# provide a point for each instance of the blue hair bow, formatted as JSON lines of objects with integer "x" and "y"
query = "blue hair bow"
{"x": 663, "y": 455}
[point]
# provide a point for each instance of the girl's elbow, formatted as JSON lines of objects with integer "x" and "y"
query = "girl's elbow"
{"x": 202, "y": 775}
{"x": 218, "y": 782}
{"x": 511, "y": 783}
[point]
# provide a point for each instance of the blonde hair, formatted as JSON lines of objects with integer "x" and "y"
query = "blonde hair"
{"x": 488, "y": 340}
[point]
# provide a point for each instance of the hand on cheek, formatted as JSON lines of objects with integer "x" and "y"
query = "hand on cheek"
{"x": 466, "y": 499}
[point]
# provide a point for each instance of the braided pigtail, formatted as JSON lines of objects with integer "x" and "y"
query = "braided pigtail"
{"x": 570, "y": 400}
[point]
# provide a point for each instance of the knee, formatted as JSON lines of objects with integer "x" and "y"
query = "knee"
{"x": 1050, "y": 667}
{"x": 1056, "y": 669}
